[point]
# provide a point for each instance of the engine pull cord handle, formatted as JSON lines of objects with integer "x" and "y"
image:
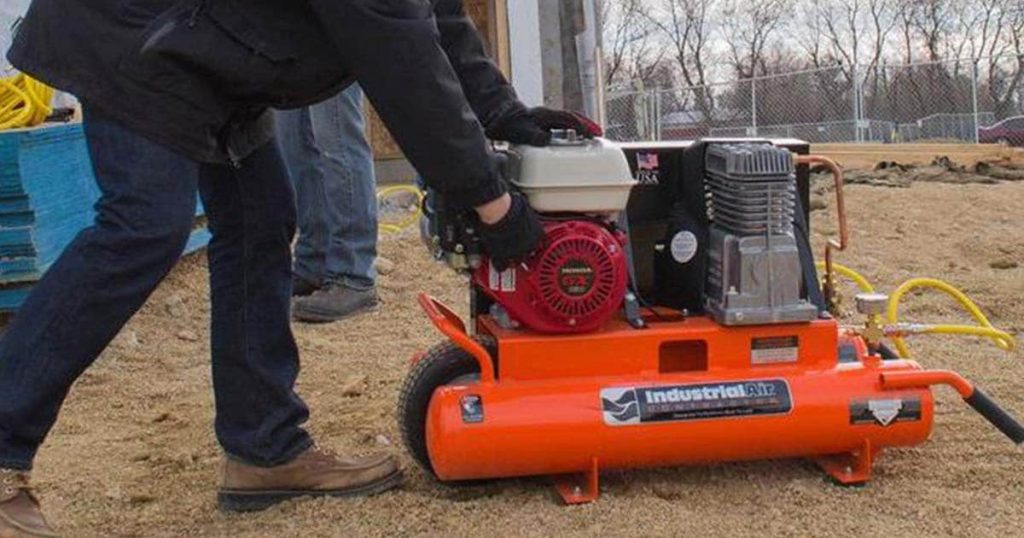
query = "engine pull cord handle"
{"x": 973, "y": 396}
{"x": 840, "y": 243}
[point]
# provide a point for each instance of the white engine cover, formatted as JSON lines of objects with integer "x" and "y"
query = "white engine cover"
{"x": 589, "y": 176}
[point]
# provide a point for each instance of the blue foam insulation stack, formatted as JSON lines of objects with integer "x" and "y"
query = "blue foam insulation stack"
{"x": 47, "y": 193}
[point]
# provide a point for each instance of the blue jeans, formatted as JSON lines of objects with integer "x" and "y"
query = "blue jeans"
{"x": 144, "y": 218}
{"x": 331, "y": 165}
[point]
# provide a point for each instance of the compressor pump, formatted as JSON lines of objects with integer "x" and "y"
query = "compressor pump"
{"x": 669, "y": 323}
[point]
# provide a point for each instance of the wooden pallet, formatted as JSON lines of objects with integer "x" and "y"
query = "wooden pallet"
{"x": 47, "y": 194}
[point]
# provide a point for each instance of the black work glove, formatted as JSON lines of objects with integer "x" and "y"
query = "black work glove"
{"x": 533, "y": 126}
{"x": 513, "y": 238}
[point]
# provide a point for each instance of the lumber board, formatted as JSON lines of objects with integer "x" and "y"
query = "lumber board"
{"x": 47, "y": 196}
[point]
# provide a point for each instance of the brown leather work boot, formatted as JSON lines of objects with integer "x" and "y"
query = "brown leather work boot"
{"x": 20, "y": 516}
{"x": 315, "y": 473}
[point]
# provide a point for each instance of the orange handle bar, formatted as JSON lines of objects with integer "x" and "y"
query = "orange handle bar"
{"x": 973, "y": 396}
{"x": 927, "y": 378}
{"x": 450, "y": 325}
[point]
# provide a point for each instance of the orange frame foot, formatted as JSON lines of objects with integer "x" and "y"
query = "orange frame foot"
{"x": 580, "y": 488}
{"x": 853, "y": 469}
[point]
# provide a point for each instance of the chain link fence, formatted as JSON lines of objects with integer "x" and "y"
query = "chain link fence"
{"x": 954, "y": 101}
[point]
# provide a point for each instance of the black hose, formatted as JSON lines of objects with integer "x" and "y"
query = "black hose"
{"x": 886, "y": 353}
{"x": 998, "y": 416}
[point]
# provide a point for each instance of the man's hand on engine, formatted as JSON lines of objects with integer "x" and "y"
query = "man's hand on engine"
{"x": 533, "y": 126}
{"x": 512, "y": 236}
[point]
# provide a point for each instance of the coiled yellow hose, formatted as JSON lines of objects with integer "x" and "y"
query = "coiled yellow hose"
{"x": 897, "y": 330}
{"x": 24, "y": 102}
{"x": 1001, "y": 339}
{"x": 406, "y": 222}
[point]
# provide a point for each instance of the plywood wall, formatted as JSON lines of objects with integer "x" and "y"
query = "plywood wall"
{"x": 484, "y": 14}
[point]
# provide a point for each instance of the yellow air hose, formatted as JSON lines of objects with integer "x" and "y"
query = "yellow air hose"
{"x": 24, "y": 102}
{"x": 856, "y": 277}
{"x": 1001, "y": 339}
{"x": 897, "y": 330}
{"x": 407, "y": 221}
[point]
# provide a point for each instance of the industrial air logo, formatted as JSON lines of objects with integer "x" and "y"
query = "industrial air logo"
{"x": 620, "y": 406}
{"x": 624, "y": 406}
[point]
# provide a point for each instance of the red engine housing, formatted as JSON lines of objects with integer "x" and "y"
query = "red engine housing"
{"x": 573, "y": 285}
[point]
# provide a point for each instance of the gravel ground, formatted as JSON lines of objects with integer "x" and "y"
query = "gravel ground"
{"x": 134, "y": 454}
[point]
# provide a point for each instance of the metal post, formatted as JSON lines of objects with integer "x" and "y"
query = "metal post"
{"x": 753, "y": 104}
{"x": 657, "y": 115}
{"x": 642, "y": 114}
{"x": 602, "y": 89}
{"x": 647, "y": 98}
{"x": 974, "y": 100}
{"x": 855, "y": 79}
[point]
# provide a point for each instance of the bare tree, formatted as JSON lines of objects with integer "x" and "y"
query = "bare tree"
{"x": 906, "y": 17}
{"x": 856, "y": 31}
{"x": 810, "y": 36}
{"x": 686, "y": 25}
{"x": 934, "y": 21}
{"x": 633, "y": 56}
{"x": 901, "y": 60}
{"x": 1003, "y": 57}
{"x": 987, "y": 32}
{"x": 750, "y": 28}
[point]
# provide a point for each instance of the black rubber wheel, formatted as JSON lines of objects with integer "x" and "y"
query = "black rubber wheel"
{"x": 443, "y": 364}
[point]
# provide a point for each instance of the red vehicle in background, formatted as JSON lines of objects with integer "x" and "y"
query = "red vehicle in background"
{"x": 1009, "y": 131}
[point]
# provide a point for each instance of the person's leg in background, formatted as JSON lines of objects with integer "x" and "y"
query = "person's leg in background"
{"x": 270, "y": 458}
{"x": 305, "y": 164}
{"x": 103, "y": 277}
{"x": 348, "y": 207}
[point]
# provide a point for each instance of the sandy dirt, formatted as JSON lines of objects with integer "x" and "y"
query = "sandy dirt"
{"x": 134, "y": 454}
{"x": 865, "y": 156}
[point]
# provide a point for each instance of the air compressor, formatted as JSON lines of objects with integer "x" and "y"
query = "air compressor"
{"x": 663, "y": 322}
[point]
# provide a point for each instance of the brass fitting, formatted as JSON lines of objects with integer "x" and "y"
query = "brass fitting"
{"x": 834, "y": 298}
{"x": 872, "y": 305}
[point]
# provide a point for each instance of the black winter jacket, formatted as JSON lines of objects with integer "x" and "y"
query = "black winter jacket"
{"x": 201, "y": 75}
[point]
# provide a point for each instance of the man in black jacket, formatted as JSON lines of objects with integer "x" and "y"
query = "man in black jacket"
{"x": 176, "y": 96}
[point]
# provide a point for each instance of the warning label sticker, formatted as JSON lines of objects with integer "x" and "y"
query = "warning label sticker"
{"x": 684, "y": 246}
{"x": 624, "y": 406}
{"x": 502, "y": 280}
{"x": 774, "y": 350}
{"x": 885, "y": 412}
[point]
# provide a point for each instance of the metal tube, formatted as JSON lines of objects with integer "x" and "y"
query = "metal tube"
{"x": 974, "y": 101}
{"x": 976, "y": 398}
{"x": 451, "y": 326}
{"x": 844, "y": 234}
{"x": 926, "y": 378}
{"x": 753, "y": 104}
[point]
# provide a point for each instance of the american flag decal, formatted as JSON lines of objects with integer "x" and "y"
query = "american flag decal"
{"x": 647, "y": 161}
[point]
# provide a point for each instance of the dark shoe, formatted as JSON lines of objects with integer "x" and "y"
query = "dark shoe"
{"x": 20, "y": 515}
{"x": 315, "y": 473}
{"x": 334, "y": 302}
{"x": 302, "y": 287}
